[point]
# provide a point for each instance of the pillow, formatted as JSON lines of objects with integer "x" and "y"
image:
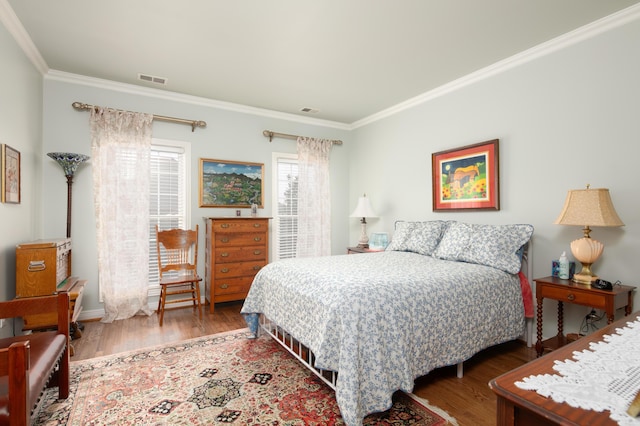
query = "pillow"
{"x": 417, "y": 237}
{"x": 400, "y": 236}
{"x": 491, "y": 245}
{"x": 425, "y": 237}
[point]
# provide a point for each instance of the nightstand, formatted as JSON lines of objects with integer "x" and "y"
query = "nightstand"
{"x": 566, "y": 291}
{"x": 357, "y": 250}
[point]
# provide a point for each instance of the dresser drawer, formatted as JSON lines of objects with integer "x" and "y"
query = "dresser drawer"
{"x": 222, "y": 226}
{"x": 240, "y": 254}
{"x": 232, "y": 285}
{"x": 239, "y": 239}
{"x": 572, "y": 295}
{"x": 237, "y": 269}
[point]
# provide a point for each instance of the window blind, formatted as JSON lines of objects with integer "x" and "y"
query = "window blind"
{"x": 286, "y": 217}
{"x": 167, "y": 201}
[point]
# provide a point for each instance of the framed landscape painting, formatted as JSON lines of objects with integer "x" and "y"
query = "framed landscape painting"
{"x": 10, "y": 175}
{"x": 466, "y": 178}
{"x": 231, "y": 183}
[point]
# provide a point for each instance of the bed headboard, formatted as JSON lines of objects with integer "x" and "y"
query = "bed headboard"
{"x": 527, "y": 260}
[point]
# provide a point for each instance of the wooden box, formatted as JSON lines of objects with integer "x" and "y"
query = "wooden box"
{"x": 42, "y": 266}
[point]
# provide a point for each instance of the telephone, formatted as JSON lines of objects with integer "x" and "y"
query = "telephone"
{"x": 602, "y": 285}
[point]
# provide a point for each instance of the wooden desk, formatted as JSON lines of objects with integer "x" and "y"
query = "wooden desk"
{"x": 522, "y": 407}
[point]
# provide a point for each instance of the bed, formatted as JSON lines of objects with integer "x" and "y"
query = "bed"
{"x": 370, "y": 324}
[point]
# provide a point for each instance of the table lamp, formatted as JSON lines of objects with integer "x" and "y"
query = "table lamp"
{"x": 363, "y": 210}
{"x": 588, "y": 207}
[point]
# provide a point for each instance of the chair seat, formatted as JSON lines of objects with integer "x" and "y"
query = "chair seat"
{"x": 179, "y": 279}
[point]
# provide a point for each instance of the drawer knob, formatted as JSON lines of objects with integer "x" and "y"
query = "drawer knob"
{"x": 224, "y": 270}
{"x": 256, "y": 225}
{"x": 224, "y": 240}
{"x": 224, "y": 254}
{"x": 257, "y": 239}
{"x": 224, "y": 285}
{"x": 224, "y": 225}
{"x": 257, "y": 252}
{"x": 257, "y": 268}
{"x": 571, "y": 296}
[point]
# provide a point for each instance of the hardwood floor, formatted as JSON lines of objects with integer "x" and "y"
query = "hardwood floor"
{"x": 469, "y": 399}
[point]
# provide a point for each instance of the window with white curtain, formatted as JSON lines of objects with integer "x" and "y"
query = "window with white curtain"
{"x": 169, "y": 194}
{"x": 285, "y": 200}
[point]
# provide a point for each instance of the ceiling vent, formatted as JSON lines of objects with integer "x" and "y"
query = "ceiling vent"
{"x": 309, "y": 110}
{"x": 152, "y": 79}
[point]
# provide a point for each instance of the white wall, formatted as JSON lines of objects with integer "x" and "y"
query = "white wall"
{"x": 21, "y": 129}
{"x": 229, "y": 135}
{"x": 567, "y": 119}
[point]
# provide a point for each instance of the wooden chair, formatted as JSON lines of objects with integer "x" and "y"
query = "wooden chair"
{"x": 32, "y": 362}
{"x": 177, "y": 265}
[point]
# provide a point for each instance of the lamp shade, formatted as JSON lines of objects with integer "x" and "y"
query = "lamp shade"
{"x": 68, "y": 161}
{"x": 589, "y": 207}
{"x": 363, "y": 209}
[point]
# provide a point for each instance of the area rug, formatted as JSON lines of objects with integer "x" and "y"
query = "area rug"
{"x": 219, "y": 379}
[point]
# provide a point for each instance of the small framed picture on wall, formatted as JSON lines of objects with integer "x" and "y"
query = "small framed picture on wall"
{"x": 10, "y": 175}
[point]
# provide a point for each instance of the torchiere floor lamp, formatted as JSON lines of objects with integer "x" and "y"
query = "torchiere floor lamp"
{"x": 69, "y": 163}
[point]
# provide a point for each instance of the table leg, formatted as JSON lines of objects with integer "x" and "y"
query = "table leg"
{"x": 560, "y": 319}
{"x": 539, "y": 348}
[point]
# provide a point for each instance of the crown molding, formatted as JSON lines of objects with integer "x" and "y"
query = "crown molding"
{"x": 187, "y": 99}
{"x": 11, "y": 22}
{"x": 578, "y": 35}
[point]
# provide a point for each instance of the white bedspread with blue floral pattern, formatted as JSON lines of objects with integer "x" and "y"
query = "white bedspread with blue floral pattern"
{"x": 383, "y": 319}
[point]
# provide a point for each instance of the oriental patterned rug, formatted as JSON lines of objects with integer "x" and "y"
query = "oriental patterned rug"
{"x": 219, "y": 379}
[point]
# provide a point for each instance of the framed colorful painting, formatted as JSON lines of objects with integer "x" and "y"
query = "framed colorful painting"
{"x": 466, "y": 178}
{"x": 231, "y": 183}
{"x": 10, "y": 175}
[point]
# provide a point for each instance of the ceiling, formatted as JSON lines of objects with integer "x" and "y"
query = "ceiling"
{"x": 347, "y": 59}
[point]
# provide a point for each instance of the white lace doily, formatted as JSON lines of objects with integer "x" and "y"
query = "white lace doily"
{"x": 604, "y": 377}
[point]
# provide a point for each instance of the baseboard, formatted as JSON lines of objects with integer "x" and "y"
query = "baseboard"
{"x": 98, "y": 314}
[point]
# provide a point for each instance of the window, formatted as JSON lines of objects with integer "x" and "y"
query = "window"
{"x": 285, "y": 177}
{"x": 169, "y": 194}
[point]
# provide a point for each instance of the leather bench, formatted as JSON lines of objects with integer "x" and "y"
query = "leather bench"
{"x": 31, "y": 363}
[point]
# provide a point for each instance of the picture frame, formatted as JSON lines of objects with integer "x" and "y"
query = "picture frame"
{"x": 235, "y": 184}
{"x": 10, "y": 175}
{"x": 466, "y": 178}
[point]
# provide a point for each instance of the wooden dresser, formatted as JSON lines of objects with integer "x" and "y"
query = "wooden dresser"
{"x": 236, "y": 249}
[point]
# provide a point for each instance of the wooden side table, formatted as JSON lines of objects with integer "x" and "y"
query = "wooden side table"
{"x": 566, "y": 291}
{"x": 358, "y": 250}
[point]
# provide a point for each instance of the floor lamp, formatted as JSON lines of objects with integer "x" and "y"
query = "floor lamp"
{"x": 69, "y": 163}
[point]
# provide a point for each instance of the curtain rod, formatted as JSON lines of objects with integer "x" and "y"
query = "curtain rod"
{"x": 193, "y": 123}
{"x": 269, "y": 134}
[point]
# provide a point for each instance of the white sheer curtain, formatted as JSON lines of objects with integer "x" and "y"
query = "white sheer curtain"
{"x": 314, "y": 197}
{"x": 120, "y": 147}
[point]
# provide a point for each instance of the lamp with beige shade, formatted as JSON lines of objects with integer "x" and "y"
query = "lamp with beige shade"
{"x": 588, "y": 207}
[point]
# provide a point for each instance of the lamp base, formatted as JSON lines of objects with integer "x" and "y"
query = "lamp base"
{"x": 364, "y": 240}
{"x": 584, "y": 278}
{"x": 586, "y": 251}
